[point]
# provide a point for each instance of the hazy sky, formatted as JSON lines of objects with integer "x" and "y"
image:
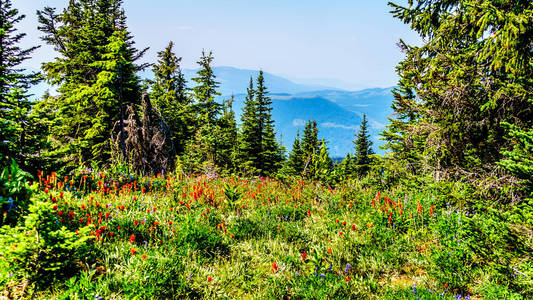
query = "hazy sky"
{"x": 348, "y": 43}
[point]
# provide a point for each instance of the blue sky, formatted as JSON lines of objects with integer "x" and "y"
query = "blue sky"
{"x": 342, "y": 43}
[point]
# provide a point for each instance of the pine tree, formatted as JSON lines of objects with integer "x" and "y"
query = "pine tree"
{"x": 227, "y": 134}
{"x": 14, "y": 104}
{"x": 259, "y": 152}
{"x": 472, "y": 75}
{"x": 249, "y": 134}
{"x": 96, "y": 75}
{"x": 296, "y": 157}
{"x": 203, "y": 148}
{"x": 169, "y": 96}
{"x": 310, "y": 147}
{"x": 269, "y": 158}
{"x": 363, "y": 148}
{"x": 205, "y": 90}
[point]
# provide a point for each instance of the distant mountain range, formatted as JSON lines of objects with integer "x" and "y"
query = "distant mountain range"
{"x": 338, "y": 112}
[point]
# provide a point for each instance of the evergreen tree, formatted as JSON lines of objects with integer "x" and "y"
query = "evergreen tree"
{"x": 296, "y": 157}
{"x": 472, "y": 75}
{"x": 169, "y": 96}
{"x": 270, "y": 156}
{"x": 14, "y": 104}
{"x": 203, "y": 148}
{"x": 310, "y": 147}
{"x": 227, "y": 136}
{"x": 249, "y": 135}
{"x": 96, "y": 75}
{"x": 363, "y": 148}
{"x": 205, "y": 90}
{"x": 346, "y": 167}
{"x": 259, "y": 152}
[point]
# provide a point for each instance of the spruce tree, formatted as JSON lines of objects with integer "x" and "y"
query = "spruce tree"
{"x": 227, "y": 135}
{"x": 249, "y": 134}
{"x": 363, "y": 148}
{"x": 259, "y": 152}
{"x": 203, "y": 148}
{"x": 270, "y": 156}
{"x": 96, "y": 75}
{"x": 296, "y": 157}
{"x": 14, "y": 83}
{"x": 205, "y": 90}
{"x": 310, "y": 147}
{"x": 170, "y": 97}
{"x": 470, "y": 77}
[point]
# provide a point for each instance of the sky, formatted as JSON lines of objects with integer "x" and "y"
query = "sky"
{"x": 349, "y": 44}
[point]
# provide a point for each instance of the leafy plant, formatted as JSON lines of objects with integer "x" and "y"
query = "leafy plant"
{"x": 15, "y": 193}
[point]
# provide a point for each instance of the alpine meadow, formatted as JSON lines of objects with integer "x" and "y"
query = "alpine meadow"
{"x": 143, "y": 174}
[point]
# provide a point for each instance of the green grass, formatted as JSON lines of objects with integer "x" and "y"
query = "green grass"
{"x": 190, "y": 241}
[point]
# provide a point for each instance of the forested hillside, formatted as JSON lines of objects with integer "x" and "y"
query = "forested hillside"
{"x": 119, "y": 187}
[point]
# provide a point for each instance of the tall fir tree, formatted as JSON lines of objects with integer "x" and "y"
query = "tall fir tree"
{"x": 203, "y": 148}
{"x": 296, "y": 157}
{"x": 227, "y": 136}
{"x": 310, "y": 147}
{"x": 15, "y": 106}
{"x": 96, "y": 75}
{"x": 270, "y": 158}
{"x": 249, "y": 134}
{"x": 363, "y": 148}
{"x": 205, "y": 90}
{"x": 169, "y": 93}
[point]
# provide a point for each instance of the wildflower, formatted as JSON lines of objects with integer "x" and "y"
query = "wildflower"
{"x": 132, "y": 239}
{"x": 340, "y": 233}
{"x": 348, "y": 278}
{"x": 143, "y": 256}
{"x": 348, "y": 266}
{"x": 353, "y": 227}
{"x": 330, "y": 251}
{"x": 209, "y": 279}
{"x": 274, "y": 267}
{"x": 133, "y": 251}
{"x": 304, "y": 256}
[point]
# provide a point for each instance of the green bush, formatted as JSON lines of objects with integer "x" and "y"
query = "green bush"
{"x": 42, "y": 250}
{"x": 15, "y": 193}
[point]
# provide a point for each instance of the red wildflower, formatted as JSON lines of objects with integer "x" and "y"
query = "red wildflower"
{"x": 330, "y": 251}
{"x": 143, "y": 256}
{"x": 304, "y": 256}
{"x": 132, "y": 239}
{"x": 348, "y": 278}
{"x": 209, "y": 279}
{"x": 274, "y": 267}
{"x": 133, "y": 251}
{"x": 353, "y": 227}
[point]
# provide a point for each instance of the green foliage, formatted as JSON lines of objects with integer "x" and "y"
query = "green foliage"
{"x": 95, "y": 72}
{"x": 15, "y": 106}
{"x": 232, "y": 196}
{"x": 259, "y": 152}
{"x": 457, "y": 90}
{"x": 42, "y": 250}
{"x": 363, "y": 149}
{"x": 226, "y": 131}
{"x": 169, "y": 96}
{"x": 15, "y": 193}
{"x": 519, "y": 161}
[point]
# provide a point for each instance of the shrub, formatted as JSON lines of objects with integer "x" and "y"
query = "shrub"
{"x": 42, "y": 250}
